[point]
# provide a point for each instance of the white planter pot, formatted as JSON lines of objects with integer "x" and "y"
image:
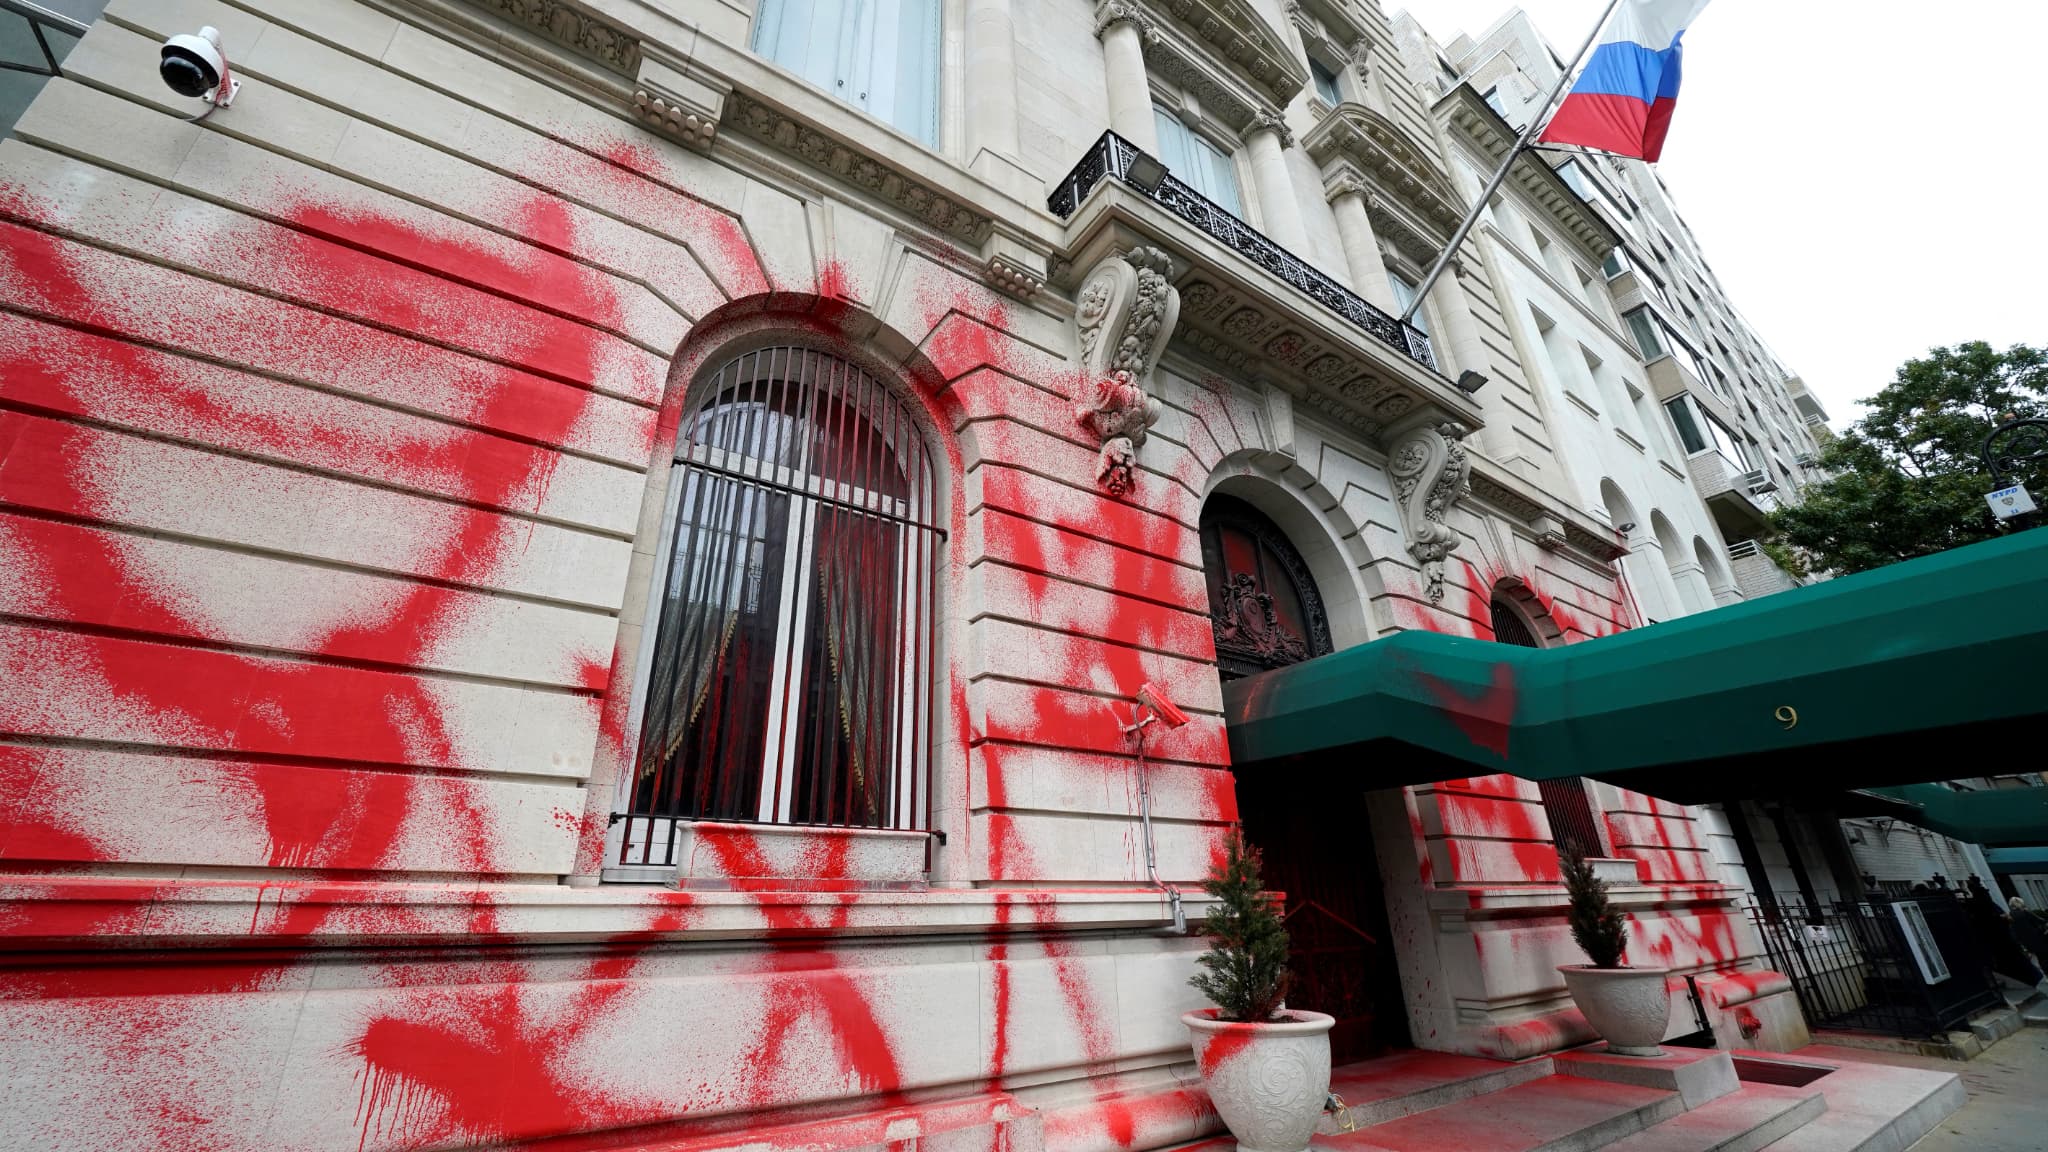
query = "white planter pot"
{"x": 1267, "y": 1081}
{"x": 1628, "y": 1007}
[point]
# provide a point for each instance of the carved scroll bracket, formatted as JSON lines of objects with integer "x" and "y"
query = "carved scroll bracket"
{"x": 1125, "y": 315}
{"x": 1431, "y": 472}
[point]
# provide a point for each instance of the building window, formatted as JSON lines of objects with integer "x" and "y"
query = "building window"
{"x": 1689, "y": 434}
{"x": 1494, "y": 102}
{"x": 1263, "y": 604}
{"x": 32, "y": 48}
{"x": 1643, "y": 327}
{"x": 1326, "y": 82}
{"x": 793, "y": 663}
{"x": 1404, "y": 295}
{"x": 1199, "y": 164}
{"x": 882, "y": 58}
{"x": 1615, "y": 264}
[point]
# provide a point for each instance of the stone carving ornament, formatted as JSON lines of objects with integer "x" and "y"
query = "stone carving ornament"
{"x": 1125, "y": 314}
{"x": 1432, "y": 472}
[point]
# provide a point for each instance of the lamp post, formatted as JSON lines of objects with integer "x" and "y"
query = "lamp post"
{"x": 2015, "y": 447}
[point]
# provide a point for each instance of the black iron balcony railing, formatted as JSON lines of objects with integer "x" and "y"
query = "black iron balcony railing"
{"x": 1114, "y": 156}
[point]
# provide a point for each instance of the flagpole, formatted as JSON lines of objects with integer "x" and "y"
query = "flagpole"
{"x": 1536, "y": 123}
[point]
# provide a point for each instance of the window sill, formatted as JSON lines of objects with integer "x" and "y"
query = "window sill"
{"x": 44, "y": 912}
{"x": 722, "y": 857}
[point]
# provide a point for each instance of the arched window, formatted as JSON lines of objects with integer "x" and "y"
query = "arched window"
{"x": 1510, "y": 628}
{"x": 792, "y": 668}
{"x": 1262, "y": 601}
{"x": 1565, "y": 802}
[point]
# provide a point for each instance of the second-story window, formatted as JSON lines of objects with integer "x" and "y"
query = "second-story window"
{"x": 1404, "y": 295}
{"x": 1326, "y": 82}
{"x": 881, "y": 56}
{"x": 1197, "y": 163}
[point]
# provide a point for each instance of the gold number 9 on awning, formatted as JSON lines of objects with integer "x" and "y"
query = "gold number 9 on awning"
{"x": 1788, "y": 716}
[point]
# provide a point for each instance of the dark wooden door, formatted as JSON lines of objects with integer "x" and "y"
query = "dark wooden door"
{"x": 1319, "y": 854}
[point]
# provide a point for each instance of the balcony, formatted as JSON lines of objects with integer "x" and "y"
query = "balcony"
{"x": 1807, "y": 404}
{"x": 1114, "y": 158}
{"x": 1741, "y": 506}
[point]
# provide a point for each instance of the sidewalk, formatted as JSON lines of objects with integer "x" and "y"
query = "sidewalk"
{"x": 2008, "y": 1087}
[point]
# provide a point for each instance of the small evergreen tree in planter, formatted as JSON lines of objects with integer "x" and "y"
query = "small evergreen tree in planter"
{"x": 1244, "y": 972}
{"x": 1597, "y": 928}
{"x": 1629, "y": 1007}
{"x": 1267, "y": 1068}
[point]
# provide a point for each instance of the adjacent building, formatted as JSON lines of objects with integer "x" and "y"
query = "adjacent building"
{"x": 1742, "y": 428}
{"x": 569, "y": 568}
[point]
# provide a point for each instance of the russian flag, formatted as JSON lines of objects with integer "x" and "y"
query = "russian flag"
{"x": 1622, "y": 102}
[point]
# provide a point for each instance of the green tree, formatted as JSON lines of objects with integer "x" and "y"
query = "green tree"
{"x": 1907, "y": 479}
{"x": 1597, "y": 928}
{"x": 1244, "y": 972}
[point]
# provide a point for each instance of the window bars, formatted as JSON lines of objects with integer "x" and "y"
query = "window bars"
{"x": 792, "y": 674}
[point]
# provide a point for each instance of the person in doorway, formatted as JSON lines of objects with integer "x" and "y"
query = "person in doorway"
{"x": 2030, "y": 929}
{"x": 1996, "y": 935}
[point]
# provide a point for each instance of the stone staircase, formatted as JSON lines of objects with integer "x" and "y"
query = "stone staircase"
{"x": 1691, "y": 1100}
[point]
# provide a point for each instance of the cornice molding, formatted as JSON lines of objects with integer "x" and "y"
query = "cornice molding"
{"x": 1223, "y": 50}
{"x": 1469, "y": 117}
{"x": 573, "y": 27}
{"x": 1387, "y": 159}
{"x": 841, "y": 160}
{"x": 1503, "y": 494}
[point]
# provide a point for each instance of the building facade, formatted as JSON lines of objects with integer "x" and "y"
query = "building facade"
{"x": 575, "y": 568}
{"x": 1742, "y": 428}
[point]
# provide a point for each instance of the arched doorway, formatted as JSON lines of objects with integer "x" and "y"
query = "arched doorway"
{"x": 1565, "y": 803}
{"x": 1268, "y": 613}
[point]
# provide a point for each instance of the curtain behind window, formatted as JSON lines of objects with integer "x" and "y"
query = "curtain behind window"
{"x": 881, "y": 56}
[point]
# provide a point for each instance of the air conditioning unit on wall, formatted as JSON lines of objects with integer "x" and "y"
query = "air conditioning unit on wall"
{"x": 1759, "y": 481}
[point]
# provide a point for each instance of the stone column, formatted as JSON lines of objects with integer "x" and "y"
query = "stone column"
{"x": 1361, "y": 246}
{"x": 1123, "y": 32}
{"x": 1457, "y": 341}
{"x": 991, "y": 79}
{"x": 1266, "y": 138}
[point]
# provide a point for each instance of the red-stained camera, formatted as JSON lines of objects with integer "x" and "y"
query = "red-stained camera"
{"x": 1161, "y": 708}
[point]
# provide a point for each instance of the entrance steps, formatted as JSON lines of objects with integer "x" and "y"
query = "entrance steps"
{"x": 1691, "y": 1100}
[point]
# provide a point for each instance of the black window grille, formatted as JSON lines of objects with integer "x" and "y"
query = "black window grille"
{"x": 793, "y": 663}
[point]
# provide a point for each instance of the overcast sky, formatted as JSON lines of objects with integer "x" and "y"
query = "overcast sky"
{"x": 1869, "y": 178}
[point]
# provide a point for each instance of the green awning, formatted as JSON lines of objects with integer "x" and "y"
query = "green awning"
{"x": 2018, "y": 861}
{"x": 2015, "y": 817}
{"x": 1920, "y": 671}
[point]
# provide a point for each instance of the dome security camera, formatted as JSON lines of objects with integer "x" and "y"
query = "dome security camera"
{"x": 194, "y": 65}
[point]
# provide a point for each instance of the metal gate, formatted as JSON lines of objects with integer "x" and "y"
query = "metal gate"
{"x": 1910, "y": 968}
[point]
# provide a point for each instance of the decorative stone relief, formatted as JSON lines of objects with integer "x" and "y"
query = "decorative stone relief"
{"x": 1361, "y": 59}
{"x": 1012, "y": 277}
{"x": 1432, "y": 472}
{"x": 1125, "y": 314}
{"x": 1118, "y": 11}
{"x": 826, "y": 154}
{"x": 1269, "y": 122}
{"x": 572, "y": 28}
{"x": 655, "y": 108}
{"x": 1342, "y": 186}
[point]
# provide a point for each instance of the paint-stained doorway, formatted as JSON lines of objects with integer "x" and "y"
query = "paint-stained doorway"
{"x": 1267, "y": 614}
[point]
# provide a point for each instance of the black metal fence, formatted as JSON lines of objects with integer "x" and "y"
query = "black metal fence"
{"x": 1910, "y": 967}
{"x": 1112, "y": 156}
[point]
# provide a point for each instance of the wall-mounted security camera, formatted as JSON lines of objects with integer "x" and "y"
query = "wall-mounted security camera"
{"x": 1625, "y": 529}
{"x": 1162, "y": 709}
{"x": 194, "y": 65}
